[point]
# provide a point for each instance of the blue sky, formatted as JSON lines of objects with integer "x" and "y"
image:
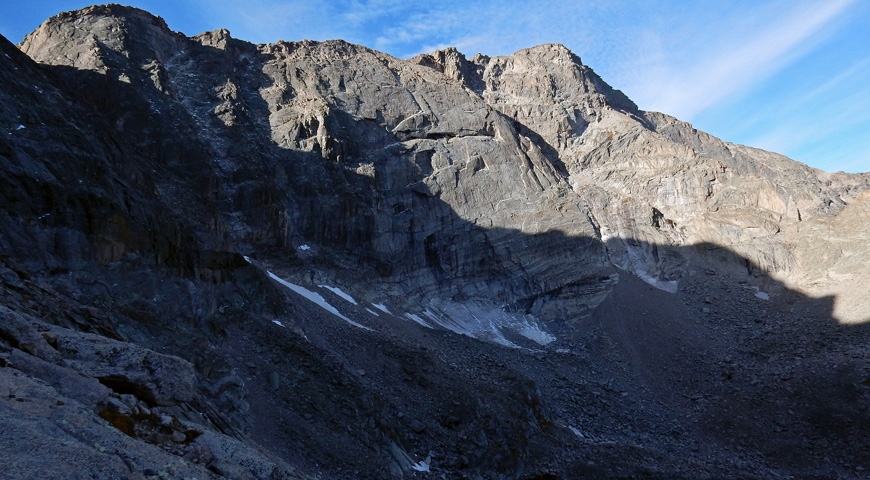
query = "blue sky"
{"x": 791, "y": 76}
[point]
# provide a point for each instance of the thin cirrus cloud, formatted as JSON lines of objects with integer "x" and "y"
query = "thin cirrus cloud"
{"x": 812, "y": 102}
{"x": 492, "y": 28}
{"x": 840, "y": 100}
{"x": 731, "y": 64}
{"x": 836, "y": 132}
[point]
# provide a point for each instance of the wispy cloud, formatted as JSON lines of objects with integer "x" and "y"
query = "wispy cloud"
{"x": 415, "y": 33}
{"x": 845, "y": 89}
{"x": 714, "y": 63}
{"x": 728, "y": 65}
{"x": 359, "y": 12}
{"x": 849, "y": 111}
{"x": 499, "y": 28}
{"x": 839, "y": 103}
{"x": 857, "y": 160}
{"x": 836, "y": 133}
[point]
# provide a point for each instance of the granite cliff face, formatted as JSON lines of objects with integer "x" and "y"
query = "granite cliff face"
{"x": 222, "y": 259}
{"x": 357, "y": 145}
{"x": 648, "y": 177}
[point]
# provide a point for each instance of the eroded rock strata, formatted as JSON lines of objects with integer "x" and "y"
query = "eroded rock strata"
{"x": 315, "y": 260}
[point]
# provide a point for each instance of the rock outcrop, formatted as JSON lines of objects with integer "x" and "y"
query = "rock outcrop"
{"x": 307, "y": 259}
{"x": 534, "y": 143}
{"x": 647, "y": 177}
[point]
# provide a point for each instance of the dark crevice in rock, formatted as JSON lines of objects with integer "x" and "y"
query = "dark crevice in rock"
{"x": 122, "y": 385}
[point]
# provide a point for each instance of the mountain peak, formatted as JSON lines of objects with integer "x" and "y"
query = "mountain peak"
{"x": 554, "y": 52}
{"x": 113, "y": 10}
{"x": 219, "y": 38}
{"x": 452, "y": 63}
{"x": 202, "y": 241}
{"x": 97, "y": 36}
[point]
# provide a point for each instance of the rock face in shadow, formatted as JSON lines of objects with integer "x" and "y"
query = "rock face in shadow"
{"x": 337, "y": 145}
{"x": 648, "y": 176}
{"x": 301, "y": 133}
{"x": 315, "y": 260}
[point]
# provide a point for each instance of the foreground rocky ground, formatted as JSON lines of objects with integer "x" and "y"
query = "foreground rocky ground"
{"x": 709, "y": 383}
{"x": 313, "y": 260}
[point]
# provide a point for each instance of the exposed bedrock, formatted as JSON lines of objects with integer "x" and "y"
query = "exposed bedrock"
{"x": 311, "y": 259}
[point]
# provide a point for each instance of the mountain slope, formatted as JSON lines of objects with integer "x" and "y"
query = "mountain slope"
{"x": 346, "y": 265}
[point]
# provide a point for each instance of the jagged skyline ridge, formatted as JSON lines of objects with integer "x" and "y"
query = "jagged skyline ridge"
{"x": 148, "y": 150}
{"x": 763, "y": 77}
{"x": 576, "y": 130}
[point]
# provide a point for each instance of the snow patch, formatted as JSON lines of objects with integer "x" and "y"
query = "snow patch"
{"x": 576, "y": 432}
{"x": 316, "y": 298}
{"x": 669, "y": 286}
{"x": 420, "y": 466}
{"x": 372, "y": 312}
{"x": 19, "y": 127}
{"x": 486, "y": 321}
{"x": 449, "y": 324}
{"x": 533, "y": 332}
{"x": 338, "y": 292}
{"x": 392, "y": 144}
{"x": 276, "y": 322}
{"x": 432, "y": 317}
{"x": 304, "y": 247}
{"x": 759, "y": 294}
{"x": 417, "y": 319}
{"x": 381, "y": 307}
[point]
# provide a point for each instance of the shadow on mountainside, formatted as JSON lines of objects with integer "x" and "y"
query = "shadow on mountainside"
{"x": 712, "y": 371}
{"x": 778, "y": 385}
{"x": 777, "y": 377}
{"x": 711, "y": 381}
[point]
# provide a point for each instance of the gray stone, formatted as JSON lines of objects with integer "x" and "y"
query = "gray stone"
{"x": 503, "y": 191}
{"x": 417, "y": 426}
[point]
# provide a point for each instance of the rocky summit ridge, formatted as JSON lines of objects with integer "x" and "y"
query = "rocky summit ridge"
{"x": 221, "y": 259}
